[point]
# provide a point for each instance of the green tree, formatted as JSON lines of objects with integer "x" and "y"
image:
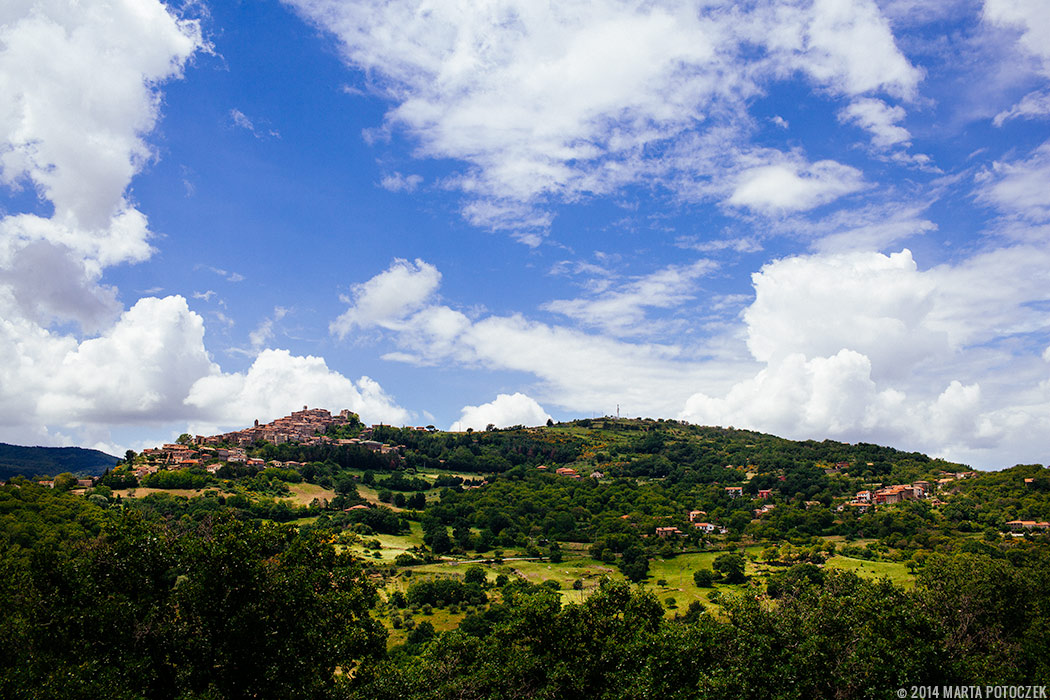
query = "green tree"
{"x": 345, "y": 485}
{"x": 704, "y": 578}
{"x": 422, "y": 633}
{"x": 65, "y": 481}
{"x": 731, "y": 566}
{"x": 475, "y": 574}
{"x": 634, "y": 564}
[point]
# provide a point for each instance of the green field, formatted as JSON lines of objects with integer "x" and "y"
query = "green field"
{"x": 893, "y": 570}
{"x": 442, "y": 620}
{"x": 303, "y": 494}
{"x": 676, "y": 572}
{"x": 392, "y": 545}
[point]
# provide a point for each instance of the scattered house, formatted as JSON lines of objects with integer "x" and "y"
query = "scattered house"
{"x": 1030, "y": 483}
{"x": 213, "y": 468}
{"x": 887, "y": 496}
{"x": 664, "y": 532}
{"x": 734, "y": 491}
{"x": 695, "y": 514}
{"x": 85, "y": 483}
{"x": 49, "y": 483}
{"x": 897, "y": 493}
{"x": 597, "y": 475}
{"x": 765, "y": 493}
{"x": 759, "y": 512}
{"x": 708, "y": 528}
{"x": 567, "y": 471}
{"x": 542, "y": 468}
{"x": 863, "y": 496}
{"x": 859, "y": 506}
{"x": 1018, "y": 525}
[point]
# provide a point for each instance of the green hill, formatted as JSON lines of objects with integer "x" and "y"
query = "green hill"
{"x": 18, "y": 460}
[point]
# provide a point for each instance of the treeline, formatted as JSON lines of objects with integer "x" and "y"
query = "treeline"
{"x": 970, "y": 620}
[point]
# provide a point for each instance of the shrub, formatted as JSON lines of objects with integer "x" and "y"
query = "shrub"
{"x": 704, "y": 578}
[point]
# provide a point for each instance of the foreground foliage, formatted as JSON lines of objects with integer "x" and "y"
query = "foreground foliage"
{"x": 223, "y": 608}
{"x": 971, "y": 619}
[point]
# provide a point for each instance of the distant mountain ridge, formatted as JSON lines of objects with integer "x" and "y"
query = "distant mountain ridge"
{"x": 26, "y": 461}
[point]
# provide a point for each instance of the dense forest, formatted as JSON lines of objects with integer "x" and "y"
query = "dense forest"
{"x": 593, "y": 559}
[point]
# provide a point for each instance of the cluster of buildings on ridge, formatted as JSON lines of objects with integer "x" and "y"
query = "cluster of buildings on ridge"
{"x": 305, "y": 427}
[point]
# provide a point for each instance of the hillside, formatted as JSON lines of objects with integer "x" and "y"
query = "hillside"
{"x": 19, "y": 460}
{"x": 568, "y": 560}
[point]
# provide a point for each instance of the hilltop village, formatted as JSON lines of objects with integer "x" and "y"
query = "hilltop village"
{"x": 307, "y": 428}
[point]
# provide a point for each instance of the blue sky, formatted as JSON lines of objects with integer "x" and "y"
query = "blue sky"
{"x": 818, "y": 219}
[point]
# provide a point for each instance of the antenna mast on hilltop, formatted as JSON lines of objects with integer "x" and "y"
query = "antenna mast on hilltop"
{"x": 617, "y": 411}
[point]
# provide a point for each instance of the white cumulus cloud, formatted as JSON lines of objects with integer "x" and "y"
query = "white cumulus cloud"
{"x": 790, "y": 185}
{"x": 875, "y": 304}
{"x": 277, "y": 383}
{"x": 388, "y": 297}
{"x": 80, "y": 91}
{"x": 505, "y": 410}
{"x": 878, "y": 118}
{"x": 1031, "y": 17}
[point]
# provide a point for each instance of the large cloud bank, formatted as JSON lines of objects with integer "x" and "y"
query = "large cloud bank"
{"x": 81, "y": 85}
